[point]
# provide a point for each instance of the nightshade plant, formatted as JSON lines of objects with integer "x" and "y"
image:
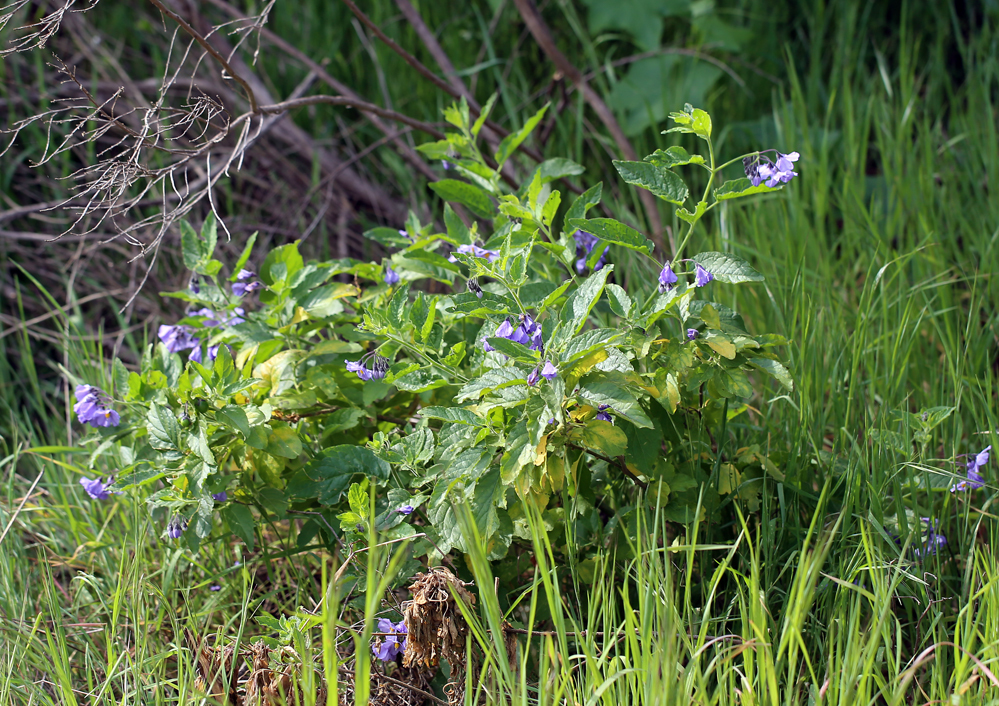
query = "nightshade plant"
{"x": 524, "y": 380}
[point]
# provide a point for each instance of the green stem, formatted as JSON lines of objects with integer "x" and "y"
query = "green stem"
{"x": 704, "y": 197}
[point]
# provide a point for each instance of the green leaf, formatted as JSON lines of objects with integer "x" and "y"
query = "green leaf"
{"x": 692, "y": 217}
{"x": 163, "y": 428}
{"x": 512, "y": 349}
{"x": 336, "y": 467}
{"x": 512, "y": 141}
{"x": 240, "y": 521}
{"x": 209, "y": 236}
{"x": 577, "y": 307}
{"x": 607, "y": 389}
{"x": 731, "y": 269}
{"x": 484, "y": 114}
{"x": 281, "y": 264}
{"x": 588, "y": 341}
{"x": 476, "y": 199}
{"x": 611, "y": 231}
{"x": 388, "y": 237}
{"x": 603, "y": 437}
{"x": 777, "y": 369}
{"x": 397, "y": 308}
{"x": 737, "y": 188}
{"x": 584, "y": 202}
{"x": 456, "y": 229}
{"x": 494, "y": 379}
{"x": 190, "y": 245}
{"x": 691, "y": 120}
{"x": 659, "y": 180}
{"x": 244, "y": 257}
{"x": 559, "y": 168}
{"x": 421, "y": 380}
{"x": 620, "y": 302}
{"x": 283, "y": 442}
{"x": 458, "y": 415}
{"x": 675, "y": 156}
{"x": 470, "y": 305}
{"x": 234, "y": 417}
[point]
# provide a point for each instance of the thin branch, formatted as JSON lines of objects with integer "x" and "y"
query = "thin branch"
{"x": 228, "y": 70}
{"x": 287, "y": 105}
{"x": 542, "y": 35}
{"x": 619, "y": 462}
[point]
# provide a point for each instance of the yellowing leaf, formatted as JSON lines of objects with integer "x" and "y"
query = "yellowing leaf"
{"x": 729, "y": 478}
{"x": 603, "y": 437}
{"x": 721, "y": 345}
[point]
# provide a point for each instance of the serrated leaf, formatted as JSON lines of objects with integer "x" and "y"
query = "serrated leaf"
{"x": 587, "y": 342}
{"x": 737, "y": 188}
{"x": 512, "y": 141}
{"x": 190, "y": 245}
{"x": 731, "y": 269}
{"x": 476, "y": 199}
{"x": 512, "y": 349}
{"x": 163, "y": 428}
{"x": 611, "y": 231}
{"x": 659, "y": 180}
{"x": 559, "y": 168}
{"x": 469, "y": 304}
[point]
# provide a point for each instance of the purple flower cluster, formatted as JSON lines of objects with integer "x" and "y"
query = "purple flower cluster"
{"x": 176, "y": 527}
{"x": 668, "y": 278}
{"x": 475, "y": 251}
{"x": 379, "y": 367}
{"x": 527, "y": 333}
{"x": 585, "y": 242}
{"x": 391, "y": 276}
{"x": 180, "y": 337}
{"x": 548, "y": 372}
{"x": 691, "y": 333}
{"x": 975, "y": 479}
{"x": 92, "y": 407}
{"x": 932, "y": 541}
{"x": 389, "y": 648}
{"x": 98, "y": 489}
{"x": 241, "y": 286}
{"x": 603, "y": 415}
{"x": 759, "y": 169}
{"x": 220, "y": 497}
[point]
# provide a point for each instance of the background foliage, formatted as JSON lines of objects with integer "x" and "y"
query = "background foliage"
{"x": 878, "y": 264}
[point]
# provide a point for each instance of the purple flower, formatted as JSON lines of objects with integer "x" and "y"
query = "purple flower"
{"x": 220, "y": 497}
{"x": 96, "y": 488}
{"x": 975, "y": 479}
{"x": 667, "y": 278}
{"x": 245, "y": 275}
{"x": 532, "y": 379}
{"x": 177, "y": 338}
{"x": 781, "y": 172}
{"x": 585, "y": 242}
{"x": 552, "y": 420}
{"x": 391, "y": 276}
{"x": 390, "y": 647}
{"x": 446, "y": 164}
{"x": 525, "y": 331}
{"x": 92, "y": 407}
{"x": 932, "y": 540}
{"x": 405, "y": 509}
{"x": 691, "y": 333}
{"x": 701, "y": 276}
{"x": 505, "y": 330}
{"x": 751, "y": 165}
{"x": 240, "y": 289}
{"x": 475, "y": 251}
{"x": 176, "y": 527}
{"x": 379, "y": 367}
{"x": 602, "y": 414}
{"x": 214, "y": 587}
{"x": 548, "y": 371}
